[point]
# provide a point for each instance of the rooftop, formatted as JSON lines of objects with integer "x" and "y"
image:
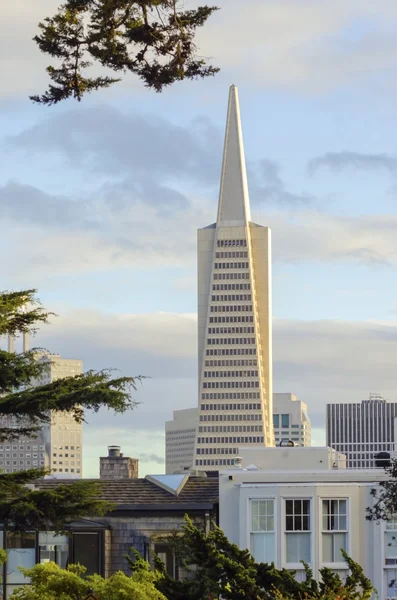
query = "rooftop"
{"x": 145, "y": 491}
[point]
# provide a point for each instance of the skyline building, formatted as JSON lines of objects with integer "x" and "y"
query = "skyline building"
{"x": 234, "y": 317}
{"x": 291, "y": 420}
{"x": 58, "y": 445}
{"x": 180, "y": 437}
{"x": 361, "y": 430}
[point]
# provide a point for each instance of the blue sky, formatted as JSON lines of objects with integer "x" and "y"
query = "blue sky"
{"x": 100, "y": 202}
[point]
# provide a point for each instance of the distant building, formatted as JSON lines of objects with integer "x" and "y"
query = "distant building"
{"x": 180, "y": 435}
{"x": 291, "y": 420}
{"x": 117, "y": 466}
{"x": 362, "y": 430}
{"x": 59, "y": 444}
{"x": 234, "y": 317}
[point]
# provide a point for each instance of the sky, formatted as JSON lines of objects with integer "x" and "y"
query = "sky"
{"x": 100, "y": 203}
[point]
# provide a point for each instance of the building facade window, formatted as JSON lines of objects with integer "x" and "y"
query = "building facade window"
{"x": 334, "y": 530}
{"x": 284, "y": 420}
{"x": 297, "y": 531}
{"x": 276, "y": 421}
{"x": 262, "y": 530}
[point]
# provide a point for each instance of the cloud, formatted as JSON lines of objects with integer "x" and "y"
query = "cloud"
{"x": 107, "y": 141}
{"x": 302, "y": 45}
{"x": 340, "y": 161}
{"x": 267, "y": 187}
{"x": 151, "y": 458}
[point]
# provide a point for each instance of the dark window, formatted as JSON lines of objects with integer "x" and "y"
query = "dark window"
{"x": 87, "y": 551}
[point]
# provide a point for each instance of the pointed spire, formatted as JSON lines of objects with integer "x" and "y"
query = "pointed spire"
{"x": 233, "y": 207}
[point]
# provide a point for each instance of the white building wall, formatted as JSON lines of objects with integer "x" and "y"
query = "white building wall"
{"x": 180, "y": 436}
{"x": 365, "y": 542}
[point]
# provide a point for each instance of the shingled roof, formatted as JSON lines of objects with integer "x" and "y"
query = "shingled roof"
{"x": 196, "y": 490}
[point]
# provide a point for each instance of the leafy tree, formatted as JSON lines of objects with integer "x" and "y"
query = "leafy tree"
{"x": 385, "y": 496}
{"x": 216, "y": 568}
{"x": 50, "y": 582}
{"x": 153, "y": 39}
{"x": 24, "y": 409}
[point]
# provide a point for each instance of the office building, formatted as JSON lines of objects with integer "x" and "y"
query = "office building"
{"x": 288, "y": 505}
{"x": 291, "y": 420}
{"x": 58, "y": 445}
{"x": 362, "y": 430}
{"x": 180, "y": 436}
{"x": 234, "y": 317}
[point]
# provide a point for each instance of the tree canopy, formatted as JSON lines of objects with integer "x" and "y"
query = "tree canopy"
{"x": 216, "y": 568}
{"x": 50, "y": 582}
{"x": 385, "y": 496}
{"x": 25, "y": 408}
{"x": 154, "y": 39}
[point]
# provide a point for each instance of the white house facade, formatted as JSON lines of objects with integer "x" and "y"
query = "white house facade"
{"x": 288, "y": 505}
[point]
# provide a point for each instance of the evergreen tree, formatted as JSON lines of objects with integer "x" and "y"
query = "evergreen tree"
{"x": 216, "y": 569}
{"x": 385, "y": 496}
{"x": 153, "y": 39}
{"x": 24, "y": 409}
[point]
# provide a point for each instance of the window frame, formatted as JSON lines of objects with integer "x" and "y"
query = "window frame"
{"x": 272, "y": 532}
{"x": 336, "y": 564}
{"x": 297, "y": 566}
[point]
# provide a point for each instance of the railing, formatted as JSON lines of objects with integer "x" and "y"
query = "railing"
{"x": 365, "y": 455}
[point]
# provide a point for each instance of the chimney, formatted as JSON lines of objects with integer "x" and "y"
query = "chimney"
{"x": 117, "y": 466}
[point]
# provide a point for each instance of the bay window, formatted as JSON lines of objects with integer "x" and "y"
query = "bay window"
{"x": 262, "y": 540}
{"x": 297, "y": 531}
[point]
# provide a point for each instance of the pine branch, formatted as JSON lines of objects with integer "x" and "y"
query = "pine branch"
{"x": 150, "y": 38}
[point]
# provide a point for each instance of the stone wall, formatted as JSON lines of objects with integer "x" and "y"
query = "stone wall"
{"x": 118, "y": 467}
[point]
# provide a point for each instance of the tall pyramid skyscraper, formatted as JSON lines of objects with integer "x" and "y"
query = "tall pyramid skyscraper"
{"x": 234, "y": 318}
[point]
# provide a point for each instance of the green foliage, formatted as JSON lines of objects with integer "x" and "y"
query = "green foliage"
{"x": 24, "y": 409}
{"x": 50, "y": 582}
{"x": 385, "y": 496}
{"x": 216, "y": 568}
{"x": 153, "y": 39}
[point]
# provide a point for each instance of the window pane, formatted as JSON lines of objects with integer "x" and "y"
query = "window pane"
{"x": 306, "y": 523}
{"x": 342, "y": 523}
{"x": 276, "y": 421}
{"x": 327, "y": 547}
{"x": 297, "y": 547}
{"x": 298, "y": 507}
{"x": 339, "y": 544}
{"x": 263, "y": 547}
{"x": 86, "y": 551}
{"x": 284, "y": 420}
{"x": 21, "y": 552}
{"x": 289, "y": 523}
{"x": 255, "y": 523}
{"x": 270, "y": 523}
{"x": 270, "y": 507}
{"x": 342, "y": 507}
{"x": 289, "y": 507}
{"x": 53, "y": 548}
{"x": 306, "y": 507}
{"x": 391, "y": 544}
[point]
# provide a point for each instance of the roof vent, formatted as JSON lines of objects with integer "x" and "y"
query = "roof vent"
{"x": 114, "y": 451}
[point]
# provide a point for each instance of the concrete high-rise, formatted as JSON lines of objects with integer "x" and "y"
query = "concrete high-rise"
{"x": 291, "y": 420}
{"x": 362, "y": 430}
{"x": 180, "y": 436}
{"x": 58, "y": 445}
{"x": 234, "y": 317}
